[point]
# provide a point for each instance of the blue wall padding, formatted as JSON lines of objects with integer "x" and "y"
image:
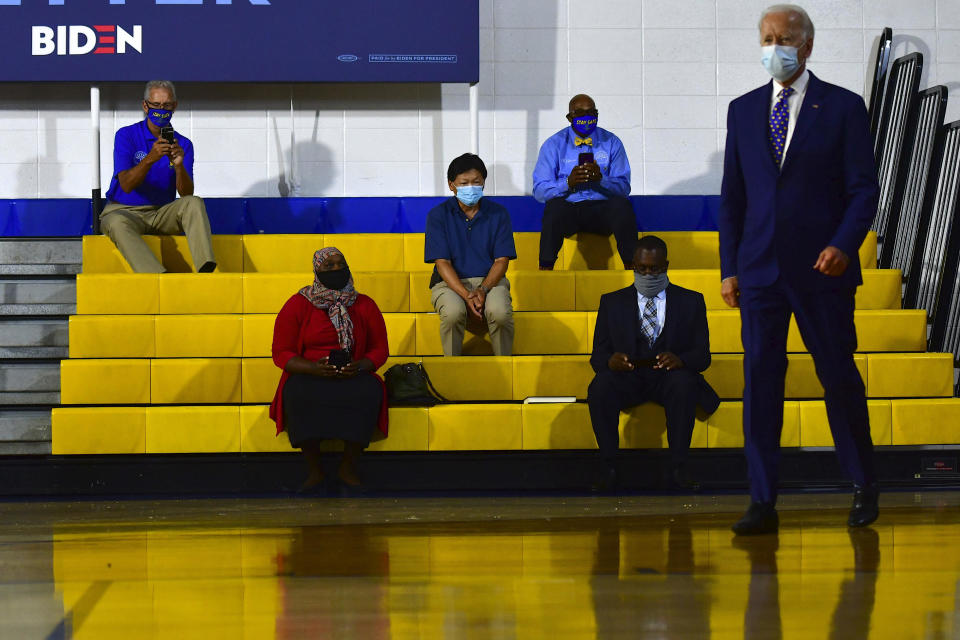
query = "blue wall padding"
{"x": 71, "y": 217}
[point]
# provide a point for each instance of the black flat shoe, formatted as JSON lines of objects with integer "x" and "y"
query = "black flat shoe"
{"x": 865, "y": 507}
{"x": 606, "y": 482}
{"x": 683, "y": 482}
{"x": 760, "y": 518}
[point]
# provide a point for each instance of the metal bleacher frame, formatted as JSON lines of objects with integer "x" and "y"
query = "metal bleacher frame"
{"x": 937, "y": 248}
{"x": 907, "y": 222}
{"x": 945, "y": 333}
{"x": 879, "y": 84}
{"x": 898, "y": 123}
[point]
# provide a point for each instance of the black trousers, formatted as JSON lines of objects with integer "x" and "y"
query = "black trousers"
{"x": 562, "y": 219}
{"x": 612, "y": 392}
{"x": 825, "y": 319}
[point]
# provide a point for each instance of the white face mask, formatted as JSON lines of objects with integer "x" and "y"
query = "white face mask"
{"x": 780, "y": 61}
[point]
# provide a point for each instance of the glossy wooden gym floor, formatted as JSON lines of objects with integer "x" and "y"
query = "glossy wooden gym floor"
{"x": 469, "y": 567}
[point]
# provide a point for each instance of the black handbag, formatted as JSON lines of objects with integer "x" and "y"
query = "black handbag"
{"x": 408, "y": 385}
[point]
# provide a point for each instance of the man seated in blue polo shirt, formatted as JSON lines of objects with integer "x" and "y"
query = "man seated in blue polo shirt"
{"x": 583, "y": 176}
{"x": 469, "y": 239}
{"x": 151, "y": 165}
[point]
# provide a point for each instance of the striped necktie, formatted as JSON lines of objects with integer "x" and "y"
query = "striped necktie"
{"x": 779, "y": 123}
{"x": 648, "y": 323}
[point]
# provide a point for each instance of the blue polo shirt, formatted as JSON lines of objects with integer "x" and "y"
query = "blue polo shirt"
{"x": 131, "y": 145}
{"x": 471, "y": 245}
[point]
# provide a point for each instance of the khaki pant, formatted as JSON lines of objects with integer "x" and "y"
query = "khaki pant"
{"x": 125, "y": 225}
{"x": 497, "y": 310}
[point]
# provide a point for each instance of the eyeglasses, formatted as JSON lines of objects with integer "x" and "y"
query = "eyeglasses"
{"x": 160, "y": 105}
{"x": 579, "y": 113}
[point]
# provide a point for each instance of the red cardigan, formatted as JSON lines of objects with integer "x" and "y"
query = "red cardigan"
{"x": 370, "y": 341}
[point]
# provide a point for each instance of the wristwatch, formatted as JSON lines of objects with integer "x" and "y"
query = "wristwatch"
{"x": 484, "y": 289}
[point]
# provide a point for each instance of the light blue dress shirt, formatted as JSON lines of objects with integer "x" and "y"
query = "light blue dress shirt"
{"x": 558, "y": 156}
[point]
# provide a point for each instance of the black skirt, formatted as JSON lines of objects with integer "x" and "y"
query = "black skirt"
{"x": 318, "y": 408}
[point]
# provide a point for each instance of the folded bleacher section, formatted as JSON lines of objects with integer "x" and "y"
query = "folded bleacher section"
{"x": 180, "y": 363}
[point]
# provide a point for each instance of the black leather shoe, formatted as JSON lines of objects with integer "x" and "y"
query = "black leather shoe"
{"x": 606, "y": 482}
{"x": 760, "y": 518}
{"x": 683, "y": 481}
{"x": 865, "y": 507}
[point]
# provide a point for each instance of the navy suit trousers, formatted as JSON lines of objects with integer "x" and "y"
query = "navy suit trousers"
{"x": 825, "y": 320}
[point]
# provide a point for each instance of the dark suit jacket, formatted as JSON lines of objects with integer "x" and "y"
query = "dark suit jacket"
{"x": 775, "y": 221}
{"x": 685, "y": 333}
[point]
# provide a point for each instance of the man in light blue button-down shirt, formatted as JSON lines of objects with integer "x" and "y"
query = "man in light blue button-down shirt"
{"x": 584, "y": 193}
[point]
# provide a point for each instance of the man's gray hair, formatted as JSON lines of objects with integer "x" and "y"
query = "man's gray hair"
{"x": 160, "y": 84}
{"x": 806, "y": 24}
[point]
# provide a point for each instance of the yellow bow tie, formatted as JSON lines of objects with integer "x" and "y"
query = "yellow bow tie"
{"x": 579, "y": 141}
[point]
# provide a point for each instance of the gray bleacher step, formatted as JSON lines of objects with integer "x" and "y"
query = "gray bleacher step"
{"x": 40, "y": 269}
{"x": 25, "y": 448}
{"x": 46, "y": 291}
{"x": 35, "y": 353}
{"x": 37, "y": 309}
{"x": 29, "y": 377}
{"x": 29, "y": 398}
{"x": 41, "y": 251}
{"x": 25, "y": 426}
{"x": 34, "y": 332}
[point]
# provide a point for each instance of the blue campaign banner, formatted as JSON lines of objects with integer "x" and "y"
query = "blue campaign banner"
{"x": 239, "y": 40}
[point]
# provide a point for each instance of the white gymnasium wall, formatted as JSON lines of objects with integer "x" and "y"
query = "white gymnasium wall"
{"x": 662, "y": 73}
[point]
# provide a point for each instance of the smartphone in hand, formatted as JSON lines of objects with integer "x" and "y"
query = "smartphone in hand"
{"x": 338, "y": 358}
{"x": 167, "y": 134}
{"x": 585, "y": 158}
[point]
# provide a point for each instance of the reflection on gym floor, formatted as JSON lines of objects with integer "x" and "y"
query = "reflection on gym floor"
{"x": 512, "y": 575}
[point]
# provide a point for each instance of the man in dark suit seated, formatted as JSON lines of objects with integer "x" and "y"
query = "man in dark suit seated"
{"x": 651, "y": 345}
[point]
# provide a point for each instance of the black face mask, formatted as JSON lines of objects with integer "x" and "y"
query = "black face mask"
{"x": 336, "y": 280}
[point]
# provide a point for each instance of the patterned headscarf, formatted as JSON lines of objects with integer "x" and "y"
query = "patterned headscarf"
{"x": 334, "y": 302}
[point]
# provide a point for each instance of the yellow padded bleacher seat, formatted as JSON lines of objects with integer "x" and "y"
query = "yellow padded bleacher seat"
{"x": 188, "y": 293}
{"x": 543, "y": 290}
{"x": 112, "y": 336}
{"x": 200, "y": 336}
{"x": 527, "y": 244}
{"x": 227, "y": 249}
{"x": 467, "y": 378}
{"x": 96, "y": 381}
{"x": 280, "y": 252}
{"x": 690, "y": 249}
{"x": 258, "y": 432}
{"x": 259, "y": 378}
{"x": 469, "y": 427}
{"x": 551, "y": 376}
{"x": 100, "y": 255}
{"x": 868, "y": 251}
{"x": 583, "y": 251}
{"x": 195, "y": 381}
{"x": 268, "y": 292}
{"x": 118, "y": 293}
{"x": 368, "y": 251}
{"x": 928, "y": 421}
{"x": 725, "y": 375}
{"x": 910, "y": 375}
{"x": 79, "y": 430}
{"x": 815, "y": 428}
{"x": 881, "y": 289}
{"x": 726, "y": 426}
{"x": 258, "y": 334}
{"x": 193, "y": 429}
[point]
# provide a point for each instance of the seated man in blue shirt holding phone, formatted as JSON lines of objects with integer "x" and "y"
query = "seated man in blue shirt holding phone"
{"x": 583, "y": 176}
{"x": 469, "y": 239}
{"x": 152, "y": 164}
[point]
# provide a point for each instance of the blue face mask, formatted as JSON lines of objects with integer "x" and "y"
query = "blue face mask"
{"x": 160, "y": 117}
{"x": 583, "y": 126}
{"x": 780, "y": 61}
{"x": 469, "y": 196}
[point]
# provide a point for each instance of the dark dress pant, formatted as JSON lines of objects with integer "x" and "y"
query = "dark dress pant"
{"x": 562, "y": 219}
{"x": 825, "y": 320}
{"x": 614, "y": 391}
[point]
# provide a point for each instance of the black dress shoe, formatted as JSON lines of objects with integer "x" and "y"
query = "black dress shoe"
{"x": 760, "y": 518}
{"x": 865, "y": 507}
{"x": 606, "y": 482}
{"x": 683, "y": 481}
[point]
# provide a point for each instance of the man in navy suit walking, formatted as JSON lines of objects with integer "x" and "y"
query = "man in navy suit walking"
{"x": 799, "y": 194}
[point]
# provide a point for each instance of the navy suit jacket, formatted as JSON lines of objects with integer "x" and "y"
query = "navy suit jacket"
{"x": 685, "y": 333}
{"x": 775, "y": 221}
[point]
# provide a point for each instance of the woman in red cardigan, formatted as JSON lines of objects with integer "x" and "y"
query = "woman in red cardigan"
{"x": 330, "y": 340}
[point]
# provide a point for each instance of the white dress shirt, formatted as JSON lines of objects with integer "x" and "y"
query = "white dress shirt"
{"x": 794, "y": 101}
{"x": 661, "y": 305}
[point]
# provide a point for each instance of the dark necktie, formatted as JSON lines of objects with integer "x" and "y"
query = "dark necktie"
{"x": 648, "y": 324}
{"x": 779, "y": 123}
